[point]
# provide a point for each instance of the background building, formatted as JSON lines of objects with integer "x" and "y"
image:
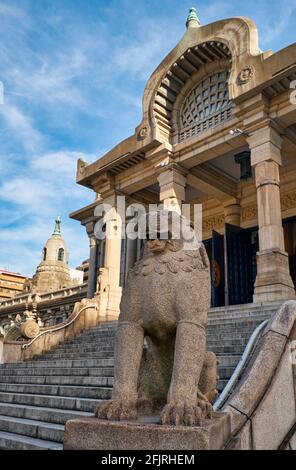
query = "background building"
{"x": 11, "y": 284}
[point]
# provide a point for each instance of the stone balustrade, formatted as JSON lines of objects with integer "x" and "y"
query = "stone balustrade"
{"x": 51, "y": 307}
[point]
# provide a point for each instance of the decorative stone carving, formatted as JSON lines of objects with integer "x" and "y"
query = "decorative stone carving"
{"x": 29, "y": 329}
{"x": 143, "y": 133}
{"x": 81, "y": 165}
{"x": 213, "y": 222}
{"x": 288, "y": 201}
{"x": 165, "y": 301}
{"x": 249, "y": 212}
{"x": 246, "y": 74}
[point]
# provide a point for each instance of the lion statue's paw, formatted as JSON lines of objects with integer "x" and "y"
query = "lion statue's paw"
{"x": 117, "y": 410}
{"x": 186, "y": 414}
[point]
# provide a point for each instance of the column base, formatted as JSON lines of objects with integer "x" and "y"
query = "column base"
{"x": 113, "y": 303}
{"x": 146, "y": 434}
{"x": 273, "y": 280}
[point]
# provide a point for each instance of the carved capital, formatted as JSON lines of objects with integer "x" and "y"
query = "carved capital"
{"x": 265, "y": 145}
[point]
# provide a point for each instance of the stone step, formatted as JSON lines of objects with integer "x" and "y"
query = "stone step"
{"x": 225, "y": 343}
{"x": 65, "y": 403}
{"x": 60, "y": 363}
{"x": 93, "y": 356}
{"x": 225, "y": 372}
{"x": 234, "y": 325}
{"x": 74, "y": 355}
{"x": 59, "y": 371}
{"x": 223, "y": 350}
{"x": 221, "y": 384}
{"x": 32, "y": 428}
{"x": 212, "y": 345}
{"x": 10, "y": 441}
{"x": 102, "y": 393}
{"x": 228, "y": 360}
{"x": 85, "y": 347}
{"x": 99, "y": 331}
{"x": 44, "y": 414}
{"x": 90, "y": 342}
{"x": 248, "y": 316}
{"x": 58, "y": 380}
{"x": 236, "y": 334}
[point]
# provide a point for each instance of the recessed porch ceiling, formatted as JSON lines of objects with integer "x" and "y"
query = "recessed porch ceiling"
{"x": 226, "y": 165}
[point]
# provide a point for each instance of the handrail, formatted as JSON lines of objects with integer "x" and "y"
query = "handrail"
{"x": 241, "y": 364}
{"x": 26, "y": 345}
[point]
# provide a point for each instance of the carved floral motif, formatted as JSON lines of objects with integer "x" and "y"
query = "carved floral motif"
{"x": 213, "y": 222}
{"x": 288, "y": 201}
{"x": 249, "y": 212}
{"x": 143, "y": 132}
{"x": 246, "y": 74}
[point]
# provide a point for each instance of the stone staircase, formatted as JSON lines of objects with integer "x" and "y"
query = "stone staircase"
{"x": 38, "y": 397}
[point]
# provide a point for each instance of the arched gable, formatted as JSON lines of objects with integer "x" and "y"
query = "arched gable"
{"x": 226, "y": 45}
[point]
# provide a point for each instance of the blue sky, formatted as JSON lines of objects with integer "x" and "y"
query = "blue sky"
{"x": 74, "y": 73}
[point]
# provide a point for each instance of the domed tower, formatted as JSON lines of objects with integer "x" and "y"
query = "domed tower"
{"x": 53, "y": 273}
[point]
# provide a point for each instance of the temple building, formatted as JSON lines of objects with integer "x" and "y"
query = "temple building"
{"x": 218, "y": 129}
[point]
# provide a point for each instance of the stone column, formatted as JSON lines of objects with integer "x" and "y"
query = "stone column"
{"x": 232, "y": 213}
{"x": 172, "y": 182}
{"x": 93, "y": 267}
{"x": 131, "y": 254}
{"x": 273, "y": 280}
{"x": 112, "y": 260}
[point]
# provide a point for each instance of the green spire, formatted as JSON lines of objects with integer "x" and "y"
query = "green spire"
{"x": 192, "y": 17}
{"x": 57, "y": 227}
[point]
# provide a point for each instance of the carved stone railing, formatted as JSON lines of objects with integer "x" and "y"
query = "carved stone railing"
{"x": 51, "y": 307}
{"x": 263, "y": 406}
{"x": 84, "y": 316}
{"x": 23, "y": 299}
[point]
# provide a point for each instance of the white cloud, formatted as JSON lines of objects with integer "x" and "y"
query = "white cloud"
{"x": 21, "y": 126}
{"x": 274, "y": 26}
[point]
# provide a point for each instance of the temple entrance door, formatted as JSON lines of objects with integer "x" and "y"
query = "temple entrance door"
{"x": 289, "y": 227}
{"x": 218, "y": 270}
{"x": 239, "y": 273}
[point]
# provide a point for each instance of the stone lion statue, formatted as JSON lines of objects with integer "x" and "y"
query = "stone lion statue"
{"x": 164, "y": 308}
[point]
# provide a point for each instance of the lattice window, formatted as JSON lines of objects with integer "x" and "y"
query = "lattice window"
{"x": 206, "y": 106}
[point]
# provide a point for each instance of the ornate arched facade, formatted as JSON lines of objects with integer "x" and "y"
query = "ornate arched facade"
{"x": 218, "y": 129}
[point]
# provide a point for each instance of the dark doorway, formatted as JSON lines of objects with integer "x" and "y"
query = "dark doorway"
{"x": 289, "y": 227}
{"x": 218, "y": 270}
{"x": 233, "y": 265}
{"x": 239, "y": 278}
